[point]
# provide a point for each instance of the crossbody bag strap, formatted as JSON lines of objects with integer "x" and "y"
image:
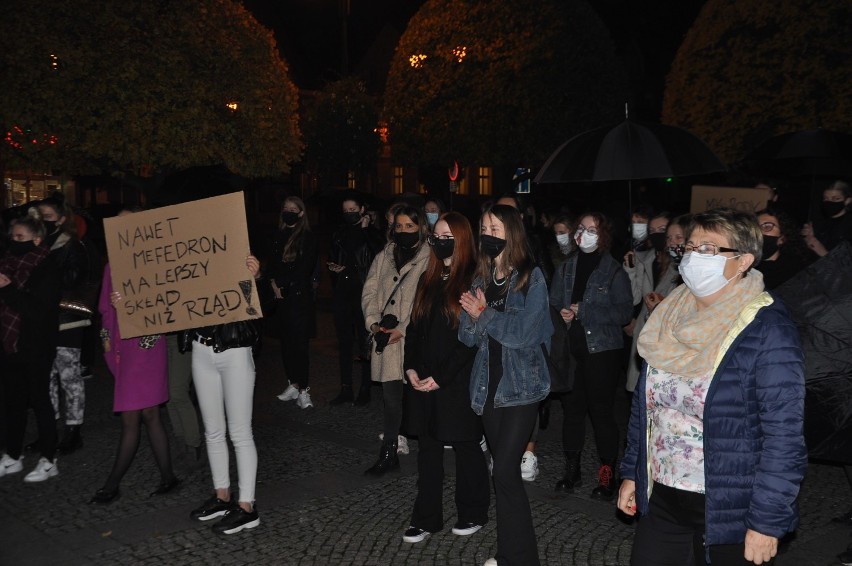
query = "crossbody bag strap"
{"x": 393, "y": 292}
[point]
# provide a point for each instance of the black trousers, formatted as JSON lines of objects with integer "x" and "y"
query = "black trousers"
{"x": 392, "y": 413}
{"x": 472, "y": 490}
{"x": 595, "y": 383}
{"x": 26, "y": 386}
{"x": 349, "y": 326}
{"x": 293, "y": 319}
{"x": 508, "y": 430}
{"x": 672, "y": 533}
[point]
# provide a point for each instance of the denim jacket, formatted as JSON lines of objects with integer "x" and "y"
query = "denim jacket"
{"x": 522, "y": 329}
{"x": 607, "y": 303}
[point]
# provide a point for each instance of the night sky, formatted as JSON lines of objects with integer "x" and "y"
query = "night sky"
{"x": 646, "y": 33}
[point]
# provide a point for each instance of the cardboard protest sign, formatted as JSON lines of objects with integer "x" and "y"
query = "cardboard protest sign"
{"x": 743, "y": 199}
{"x": 182, "y": 266}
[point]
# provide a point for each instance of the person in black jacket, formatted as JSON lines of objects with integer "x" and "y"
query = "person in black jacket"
{"x": 223, "y": 374}
{"x": 291, "y": 270}
{"x": 80, "y": 278}
{"x": 437, "y": 402}
{"x": 353, "y": 248}
{"x": 29, "y": 323}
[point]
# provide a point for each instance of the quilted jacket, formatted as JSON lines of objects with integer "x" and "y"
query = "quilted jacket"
{"x": 754, "y": 448}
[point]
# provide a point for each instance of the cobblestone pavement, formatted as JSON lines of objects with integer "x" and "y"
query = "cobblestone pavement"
{"x": 315, "y": 504}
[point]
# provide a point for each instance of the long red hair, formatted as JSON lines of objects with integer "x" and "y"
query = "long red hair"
{"x": 462, "y": 267}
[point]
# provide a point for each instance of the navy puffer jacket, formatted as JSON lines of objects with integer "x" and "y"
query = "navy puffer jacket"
{"x": 754, "y": 448}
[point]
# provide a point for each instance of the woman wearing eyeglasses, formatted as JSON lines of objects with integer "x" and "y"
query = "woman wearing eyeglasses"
{"x": 437, "y": 401}
{"x": 715, "y": 452}
{"x": 592, "y": 293}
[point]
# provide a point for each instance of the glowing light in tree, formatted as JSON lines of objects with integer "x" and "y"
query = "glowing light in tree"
{"x": 54, "y": 62}
{"x": 417, "y": 60}
{"x": 459, "y": 53}
{"x": 233, "y": 106}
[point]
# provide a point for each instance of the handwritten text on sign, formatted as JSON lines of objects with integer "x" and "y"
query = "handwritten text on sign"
{"x": 183, "y": 266}
{"x": 743, "y": 199}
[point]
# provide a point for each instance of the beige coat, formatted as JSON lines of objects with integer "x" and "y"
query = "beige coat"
{"x": 381, "y": 280}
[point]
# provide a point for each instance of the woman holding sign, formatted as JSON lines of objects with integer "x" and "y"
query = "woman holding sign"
{"x": 294, "y": 258}
{"x": 223, "y": 374}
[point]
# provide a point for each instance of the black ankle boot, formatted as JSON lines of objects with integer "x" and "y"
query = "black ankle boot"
{"x": 388, "y": 460}
{"x": 71, "y": 441}
{"x": 572, "y": 473}
{"x": 345, "y": 396}
{"x": 606, "y": 481}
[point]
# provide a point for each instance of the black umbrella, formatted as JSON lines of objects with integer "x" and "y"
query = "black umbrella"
{"x": 820, "y": 301}
{"x": 806, "y": 153}
{"x": 631, "y": 150}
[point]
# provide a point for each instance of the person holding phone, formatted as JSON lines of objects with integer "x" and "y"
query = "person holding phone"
{"x": 353, "y": 247}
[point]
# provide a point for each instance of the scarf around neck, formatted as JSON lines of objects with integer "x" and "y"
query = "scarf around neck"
{"x": 683, "y": 340}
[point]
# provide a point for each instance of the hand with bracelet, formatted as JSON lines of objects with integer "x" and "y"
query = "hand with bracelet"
{"x": 472, "y": 304}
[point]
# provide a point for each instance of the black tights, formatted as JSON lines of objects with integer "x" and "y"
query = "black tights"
{"x": 131, "y": 422}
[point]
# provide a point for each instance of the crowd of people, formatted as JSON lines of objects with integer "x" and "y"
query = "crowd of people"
{"x": 454, "y": 319}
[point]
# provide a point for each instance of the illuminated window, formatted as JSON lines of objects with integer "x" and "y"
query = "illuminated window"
{"x": 350, "y": 180}
{"x": 397, "y": 181}
{"x": 484, "y": 180}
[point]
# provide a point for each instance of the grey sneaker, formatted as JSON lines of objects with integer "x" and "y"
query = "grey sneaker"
{"x": 45, "y": 469}
{"x": 9, "y": 465}
{"x": 292, "y": 392}
{"x": 304, "y": 400}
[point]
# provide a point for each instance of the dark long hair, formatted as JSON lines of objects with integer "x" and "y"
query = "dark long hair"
{"x": 294, "y": 242}
{"x": 418, "y": 217}
{"x": 430, "y": 290}
{"x": 604, "y": 226}
{"x": 516, "y": 255}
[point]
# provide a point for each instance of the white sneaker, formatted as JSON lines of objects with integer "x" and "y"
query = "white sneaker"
{"x": 44, "y": 469}
{"x": 401, "y": 443}
{"x": 490, "y": 562}
{"x": 9, "y": 465}
{"x": 304, "y": 399}
{"x": 292, "y": 392}
{"x": 529, "y": 466}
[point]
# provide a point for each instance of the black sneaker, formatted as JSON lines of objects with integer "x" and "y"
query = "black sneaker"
{"x": 413, "y": 534}
{"x": 210, "y": 509}
{"x": 235, "y": 520}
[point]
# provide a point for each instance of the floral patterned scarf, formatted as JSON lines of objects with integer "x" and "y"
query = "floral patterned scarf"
{"x": 683, "y": 340}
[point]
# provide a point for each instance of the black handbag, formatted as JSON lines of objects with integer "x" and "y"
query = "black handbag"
{"x": 560, "y": 362}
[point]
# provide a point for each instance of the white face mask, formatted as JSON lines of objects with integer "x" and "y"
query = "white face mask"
{"x": 563, "y": 239}
{"x": 704, "y": 274}
{"x": 588, "y": 242}
{"x": 639, "y": 231}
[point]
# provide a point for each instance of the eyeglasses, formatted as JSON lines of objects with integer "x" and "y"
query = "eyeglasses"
{"x": 767, "y": 227}
{"x": 708, "y": 249}
{"x": 432, "y": 240}
{"x": 593, "y": 231}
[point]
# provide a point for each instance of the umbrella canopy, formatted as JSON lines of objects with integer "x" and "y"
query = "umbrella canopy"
{"x": 808, "y": 152}
{"x": 631, "y": 150}
{"x": 820, "y": 301}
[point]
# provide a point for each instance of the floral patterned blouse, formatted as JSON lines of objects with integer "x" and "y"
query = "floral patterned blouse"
{"x": 676, "y": 437}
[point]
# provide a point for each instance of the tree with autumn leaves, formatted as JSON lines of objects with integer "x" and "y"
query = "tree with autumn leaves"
{"x": 91, "y": 86}
{"x": 750, "y": 69}
{"x": 500, "y": 83}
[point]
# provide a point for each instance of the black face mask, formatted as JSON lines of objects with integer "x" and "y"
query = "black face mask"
{"x": 770, "y": 246}
{"x": 352, "y": 218}
{"x": 50, "y": 226}
{"x": 491, "y": 246}
{"x": 21, "y": 248}
{"x": 444, "y": 248}
{"x": 289, "y": 218}
{"x": 831, "y": 208}
{"x": 658, "y": 240}
{"x": 406, "y": 239}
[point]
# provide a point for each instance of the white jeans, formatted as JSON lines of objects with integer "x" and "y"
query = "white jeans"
{"x": 224, "y": 384}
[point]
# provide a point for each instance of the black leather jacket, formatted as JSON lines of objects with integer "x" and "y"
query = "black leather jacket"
{"x": 362, "y": 259}
{"x": 242, "y": 334}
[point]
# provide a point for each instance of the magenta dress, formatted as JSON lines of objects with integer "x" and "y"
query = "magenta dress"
{"x": 141, "y": 375}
